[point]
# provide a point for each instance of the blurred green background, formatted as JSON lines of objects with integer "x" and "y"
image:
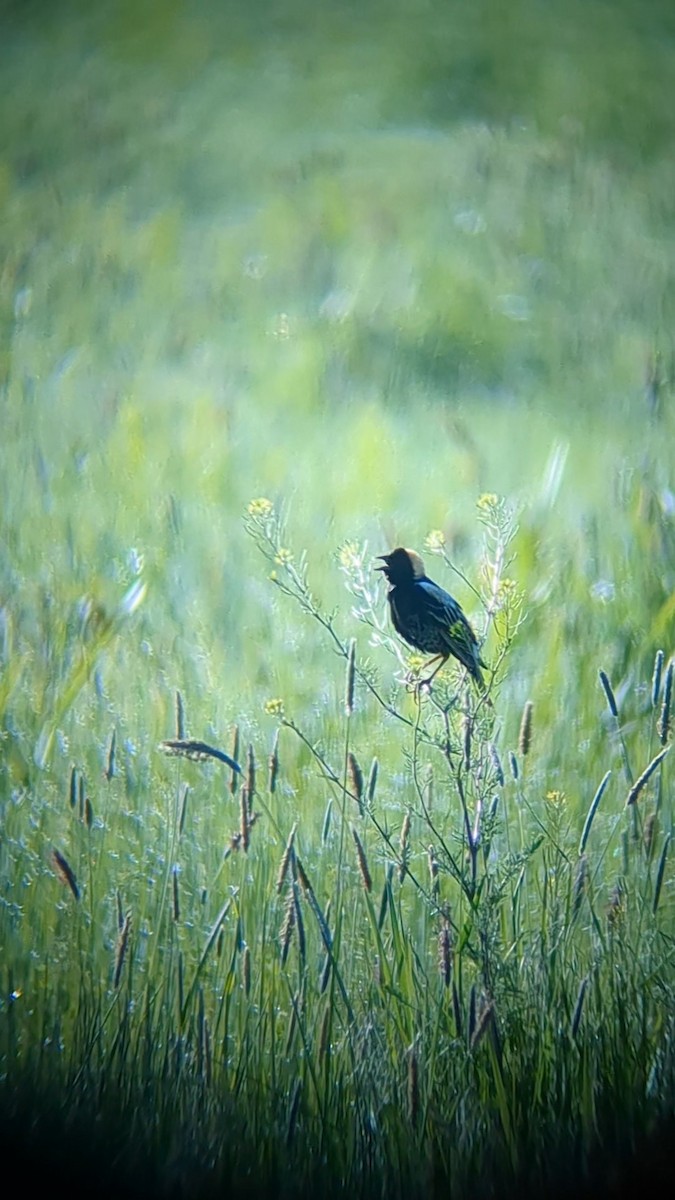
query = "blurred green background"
{"x": 373, "y": 259}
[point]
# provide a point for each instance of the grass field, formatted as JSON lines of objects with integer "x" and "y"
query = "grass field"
{"x": 276, "y": 295}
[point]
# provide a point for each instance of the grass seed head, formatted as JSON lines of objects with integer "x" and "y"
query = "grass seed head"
{"x": 372, "y": 782}
{"x": 288, "y": 925}
{"x": 73, "y": 787}
{"x": 580, "y": 885}
{"x": 664, "y": 719}
{"x": 646, "y": 775}
{"x": 404, "y": 847}
{"x": 197, "y": 751}
{"x": 609, "y": 693}
{"x": 285, "y": 860}
{"x": 234, "y": 778}
{"x": 660, "y": 873}
{"x": 65, "y": 872}
{"x": 525, "y": 735}
{"x": 299, "y": 923}
{"x": 301, "y": 874}
{"x": 244, "y": 819}
{"x": 355, "y": 779}
{"x": 656, "y": 677}
{"x": 110, "y": 763}
{"x": 363, "y": 862}
{"x": 350, "y": 678}
{"x": 182, "y": 806}
{"x": 273, "y": 765}
{"x": 615, "y": 906}
{"x": 250, "y": 772}
{"x": 180, "y": 717}
{"x": 482, "y": 1025}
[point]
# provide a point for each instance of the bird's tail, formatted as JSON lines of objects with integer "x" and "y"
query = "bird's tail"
{"x": 478, "y": 678}
{"x": 477, "y": 675}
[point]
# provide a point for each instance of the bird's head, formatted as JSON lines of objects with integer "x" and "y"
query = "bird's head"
{"x": 402, "y": 566}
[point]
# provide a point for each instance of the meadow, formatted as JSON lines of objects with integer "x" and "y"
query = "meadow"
{"x": 276, "y": 295}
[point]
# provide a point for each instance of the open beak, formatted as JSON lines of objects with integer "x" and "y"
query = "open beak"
{"x": 385, "y": 559}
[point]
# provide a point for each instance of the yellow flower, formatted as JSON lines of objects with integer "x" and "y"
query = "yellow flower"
{"x": 435, "y": 541}
{"x": 283, "y": 557}
{"x": 260, "y": 507}
{"x": 555, "y": 798}
{"x": 274, "y": 708}
{"x": 507, "y": 590}
{"x": 487, "y": 502}
{"x": 350, "y": 556}
{"x": 416, "y": 662}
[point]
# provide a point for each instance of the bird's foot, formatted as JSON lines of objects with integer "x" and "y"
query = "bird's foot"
{"x": 418, "y": 687}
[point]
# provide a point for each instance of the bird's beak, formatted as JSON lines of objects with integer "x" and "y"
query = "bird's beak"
{"x": 385, "y": 559}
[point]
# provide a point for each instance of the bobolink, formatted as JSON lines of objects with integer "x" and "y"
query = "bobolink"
{"x": 426, "y": 616}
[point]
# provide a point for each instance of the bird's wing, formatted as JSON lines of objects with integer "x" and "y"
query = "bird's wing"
{"x": 457, "y": 634}
{"x": 446, "y": 612}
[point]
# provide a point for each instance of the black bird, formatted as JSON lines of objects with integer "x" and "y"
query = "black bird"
{"x": 426, "y": 616}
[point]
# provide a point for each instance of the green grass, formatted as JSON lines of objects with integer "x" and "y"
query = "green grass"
{"x": 377, "y": 268}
